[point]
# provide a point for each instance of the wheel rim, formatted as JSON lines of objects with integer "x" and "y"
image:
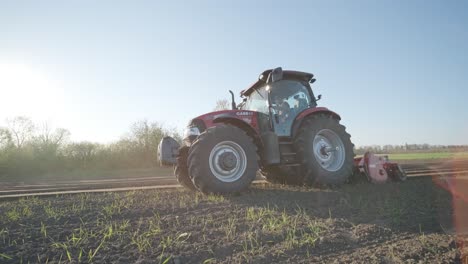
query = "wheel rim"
{"x": 329, "y": 150}
{"x": 228, "y": 161}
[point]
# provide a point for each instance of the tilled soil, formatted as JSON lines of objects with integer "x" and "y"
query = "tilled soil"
{"x": 408, "y": 222}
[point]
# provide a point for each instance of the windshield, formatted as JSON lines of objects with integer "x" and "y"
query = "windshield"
{"x": 257, "y": 101}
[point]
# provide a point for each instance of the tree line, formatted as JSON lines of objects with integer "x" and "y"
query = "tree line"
{"x": 27, "y": 148}
{"x": 410, "y": 148}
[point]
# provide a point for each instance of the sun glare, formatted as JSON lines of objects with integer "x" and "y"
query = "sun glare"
{"x": 28, "y": 91}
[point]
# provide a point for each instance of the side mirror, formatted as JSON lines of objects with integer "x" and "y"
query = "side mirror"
{"x": 319, "y": 97}
{"x": 275, "y": 75}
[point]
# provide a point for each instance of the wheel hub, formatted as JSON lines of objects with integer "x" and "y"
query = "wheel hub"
{"x": 227, "y": 161}
{"x": 323, "y": 150}
{"x": 328, "y": 150}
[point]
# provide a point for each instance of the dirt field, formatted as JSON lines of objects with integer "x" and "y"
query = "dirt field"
{"x": 164, "y": 176}
{"x": 392, "y": 223}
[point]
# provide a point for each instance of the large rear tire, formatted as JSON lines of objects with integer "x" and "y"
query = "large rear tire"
{"x": 222, "y": 160}
{"x": 325, "y": 150}
{"x": 181, "y": 170}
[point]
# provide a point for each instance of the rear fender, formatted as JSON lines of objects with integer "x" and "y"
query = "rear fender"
{"x": 309, "y": 112}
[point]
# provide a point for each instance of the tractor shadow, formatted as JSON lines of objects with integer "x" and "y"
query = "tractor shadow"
{"x": 416, "y": 205}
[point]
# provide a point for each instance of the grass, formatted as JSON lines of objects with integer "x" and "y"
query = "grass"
{"x": 4, "y": 256}
{"x": 428, "y": 156}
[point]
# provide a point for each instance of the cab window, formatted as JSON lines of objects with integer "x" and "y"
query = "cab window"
{"x": 257, "y": 101}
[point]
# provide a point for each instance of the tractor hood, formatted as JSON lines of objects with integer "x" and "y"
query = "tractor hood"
{"x": 200, "y": 123}
{"x": 207, "y": 119}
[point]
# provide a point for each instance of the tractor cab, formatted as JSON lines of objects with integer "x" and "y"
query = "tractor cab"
{"x": 279, "y": 97}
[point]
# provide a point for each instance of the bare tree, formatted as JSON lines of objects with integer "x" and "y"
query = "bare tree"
{"x": 82, "y": 152}
{"x": 222, "y": 104}
{"x": 147, "y": 135}
{"x": 50, "y": 140}
{"x": 21, "y": 129}
{"x": 56, "y": 137}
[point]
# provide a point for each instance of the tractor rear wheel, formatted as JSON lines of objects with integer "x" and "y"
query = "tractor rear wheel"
{"x": 325, "y": 150}
{"x": 181, "y": 170}
{"x": 223, "y": 160}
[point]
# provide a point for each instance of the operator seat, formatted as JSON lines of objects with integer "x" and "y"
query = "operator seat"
{"x": 300, "y": 105}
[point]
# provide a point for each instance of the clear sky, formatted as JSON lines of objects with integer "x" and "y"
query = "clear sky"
{"x": 396, "y": 71}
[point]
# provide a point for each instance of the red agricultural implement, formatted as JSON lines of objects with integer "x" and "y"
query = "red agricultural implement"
{"x": 279, "y": 129}
{"x": 378, "y": 169}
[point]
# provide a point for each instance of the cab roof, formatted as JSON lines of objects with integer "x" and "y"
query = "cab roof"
{"x": 294, "y": 75}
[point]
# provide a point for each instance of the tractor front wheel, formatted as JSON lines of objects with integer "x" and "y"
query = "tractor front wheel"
{"x": 181, "y": 170}
{"x": 325, "y": 150}
{"x": 223, "y": 160}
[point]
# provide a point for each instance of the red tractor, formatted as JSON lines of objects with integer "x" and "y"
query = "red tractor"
{"x": 277, "y": 128}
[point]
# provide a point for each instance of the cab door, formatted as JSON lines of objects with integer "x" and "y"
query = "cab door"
{"x": 287, "y": 99}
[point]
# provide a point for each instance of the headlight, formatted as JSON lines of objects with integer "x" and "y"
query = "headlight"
{"x": 191, "y": 131}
